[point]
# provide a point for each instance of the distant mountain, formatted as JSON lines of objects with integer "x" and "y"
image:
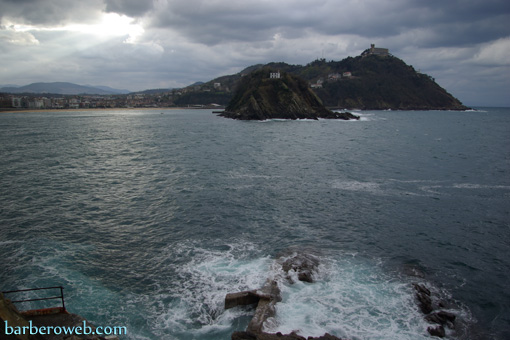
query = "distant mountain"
{"x": 110, "y": 89}
{"x": 61, "y": 88}
{"x": 152, "y": 91}
{"x": 197, "y": 83}
{"x": 8, "y": 85}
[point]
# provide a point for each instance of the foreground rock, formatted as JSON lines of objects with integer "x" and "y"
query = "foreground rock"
{"x": 20, "y": 323}
{"x": 278, "y": 336}
{"x": 432, "y": 309}
{"x": 265, "y": 94}
{"x": 302, "y": 266}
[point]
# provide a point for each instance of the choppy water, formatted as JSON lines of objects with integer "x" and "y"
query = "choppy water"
{"x": 149, "y": 219}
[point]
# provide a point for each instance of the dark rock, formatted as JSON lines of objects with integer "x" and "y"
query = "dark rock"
{"x": 442, "y": 318}
{"x": 243, "y": 336}
{"x": 341, "y": 115}
{"x": 421, "y": 289}
{"x": 278, "y": 336}
{"x": 449, "y": 317}
{"x": 423, "y": 297}
{"x": 303, "y": 264}
{"x": 241, "y": 299}
{"x": 437, "y": 331}
{"x": 425, "y": 303}
{"x": 269, "y": 295}
{"x": 326, "y": 336}
{"x": 259, "y": 97}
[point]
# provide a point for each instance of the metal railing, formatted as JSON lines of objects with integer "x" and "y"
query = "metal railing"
{"x": 61, "y": 296}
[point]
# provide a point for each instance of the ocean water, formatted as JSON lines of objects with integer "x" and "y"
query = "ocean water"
{"x": 149, "y": 218}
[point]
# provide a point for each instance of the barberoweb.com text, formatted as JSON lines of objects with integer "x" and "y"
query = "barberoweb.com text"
{"x": 57, "y": 330}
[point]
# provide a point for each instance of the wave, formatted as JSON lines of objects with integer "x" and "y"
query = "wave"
{"x": 396, "y": 187}
{"x": 352, "y": 297}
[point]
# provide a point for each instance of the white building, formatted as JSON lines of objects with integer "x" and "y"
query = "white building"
{"x": 274, "y": 75}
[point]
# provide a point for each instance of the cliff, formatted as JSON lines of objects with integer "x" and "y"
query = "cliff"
{"x": 259, "y": 97}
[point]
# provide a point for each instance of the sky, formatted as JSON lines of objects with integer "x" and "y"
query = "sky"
{"x": 146, "y": 44}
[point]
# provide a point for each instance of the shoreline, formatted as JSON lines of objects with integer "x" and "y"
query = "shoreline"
{"x": 25, "y": 110}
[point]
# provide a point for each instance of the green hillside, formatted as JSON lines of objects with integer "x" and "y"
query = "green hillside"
{"x": 265, "y": 94}
{"x": 375, "y": 82}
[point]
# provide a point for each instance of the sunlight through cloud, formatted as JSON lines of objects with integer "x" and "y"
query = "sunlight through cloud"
{"x": 110, "y": 25}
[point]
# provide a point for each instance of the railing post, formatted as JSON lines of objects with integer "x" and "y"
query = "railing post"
{"x": 62, "y": 296}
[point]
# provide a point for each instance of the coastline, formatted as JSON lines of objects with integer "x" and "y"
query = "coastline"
{"x": 25, "y": 110}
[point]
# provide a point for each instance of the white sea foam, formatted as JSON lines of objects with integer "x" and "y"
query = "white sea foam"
{"x": 197, "y": 301}
{"x": 396, "y": 187}
{"x": 352, "y": 185}
{"x": 480, "y": 186}
{"x": 353, "y": 299}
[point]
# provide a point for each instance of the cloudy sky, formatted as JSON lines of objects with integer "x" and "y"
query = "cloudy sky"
{"x": 142, "y": 44}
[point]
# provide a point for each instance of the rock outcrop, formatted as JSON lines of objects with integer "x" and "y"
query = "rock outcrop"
{"x": 278, "y": 336}
{"x": 303, "y": 266}
{"x": 432, "y": 308}
{"x": 261, "y": 97}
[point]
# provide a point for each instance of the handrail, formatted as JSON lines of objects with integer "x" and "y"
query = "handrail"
{"x": 61, "y": 297}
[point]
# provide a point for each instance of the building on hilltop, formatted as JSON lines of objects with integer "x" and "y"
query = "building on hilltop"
{"x": 383, "y": 52}
{"x": 274, "y": 75}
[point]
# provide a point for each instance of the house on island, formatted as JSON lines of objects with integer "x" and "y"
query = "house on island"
{"x": 274, "y": 75}
{"x": 383, "y": 52}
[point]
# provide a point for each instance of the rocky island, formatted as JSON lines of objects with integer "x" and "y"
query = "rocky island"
{"x": 268, "y": 94}
{"x": 374, "y": 80}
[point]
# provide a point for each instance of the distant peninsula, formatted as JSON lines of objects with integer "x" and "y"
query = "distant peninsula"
{"x": 270, "y": 94}
{"x": 374, "y": 80}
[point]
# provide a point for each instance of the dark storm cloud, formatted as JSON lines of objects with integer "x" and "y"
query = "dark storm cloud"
{"x": 448, "y": 22}
{"x": 53, "y": 12}
{"x": 132, "y": 8}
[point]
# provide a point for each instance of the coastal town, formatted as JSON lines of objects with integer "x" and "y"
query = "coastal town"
{"x": 48, "y": 101}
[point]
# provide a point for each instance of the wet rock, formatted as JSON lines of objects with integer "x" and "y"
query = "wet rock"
{"x": 341, "y": 115}
{"x": 245, "y": 298}
{"x": 423, "y": 297}
{"x": 269, "y": 295}
{"x": 421, "y": 289}
{"x": 243, "y": 336}
{"x": 441, "y": 318}
{"x": 278, "y": 336}
{"x": 305, "y": 265}
{"x": 437, "y": 331}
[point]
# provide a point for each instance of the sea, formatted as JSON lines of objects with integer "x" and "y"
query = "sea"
{"x": 148, "y": 218}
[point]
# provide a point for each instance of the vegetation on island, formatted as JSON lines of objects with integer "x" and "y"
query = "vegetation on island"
{"x": 267, "y": 94}
{"x": 370, "y": 82}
